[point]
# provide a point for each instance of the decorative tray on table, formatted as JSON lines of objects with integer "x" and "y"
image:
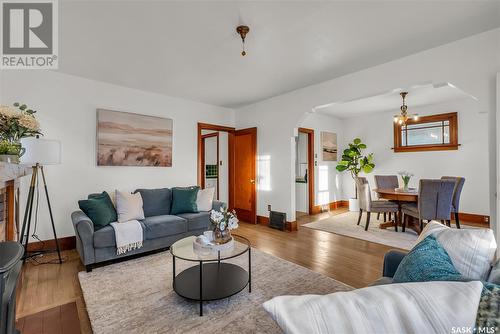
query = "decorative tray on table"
{"x": 204, "y": 244}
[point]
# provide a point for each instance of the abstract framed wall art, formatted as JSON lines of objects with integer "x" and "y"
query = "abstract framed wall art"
{"x": 127, "y": 139}
{"x": 329, "y": 146}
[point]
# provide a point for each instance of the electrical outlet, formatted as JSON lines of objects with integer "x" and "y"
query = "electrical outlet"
{"x": 486, "y": 219}
{"x": 269, "y": 207}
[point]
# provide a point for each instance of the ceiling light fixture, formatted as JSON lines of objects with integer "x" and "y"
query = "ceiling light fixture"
{"x": 243, "y": 31}
{"x": 403, "y": 117}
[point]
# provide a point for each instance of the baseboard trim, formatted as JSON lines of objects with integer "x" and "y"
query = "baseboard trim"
{"x": 473, "y": 219}
{"x": 262, "y": 220}
{"x": 66, "y": 243}
{"x": 331, "y": 206}
{"x": 290, "y": 226}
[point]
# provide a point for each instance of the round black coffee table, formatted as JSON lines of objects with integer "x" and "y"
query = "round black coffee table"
{"x": 211, "y": 279}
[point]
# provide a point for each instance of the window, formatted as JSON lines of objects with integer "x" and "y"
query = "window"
{"x": 427, "y": 133}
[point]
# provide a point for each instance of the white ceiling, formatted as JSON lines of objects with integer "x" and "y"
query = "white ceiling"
{"x": 191, "y": 50}
{"x": 418, "y": 95}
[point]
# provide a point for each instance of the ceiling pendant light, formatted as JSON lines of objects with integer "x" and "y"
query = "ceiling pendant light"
{"x": 403, "y": 117}
{"x": 243, "y": 31}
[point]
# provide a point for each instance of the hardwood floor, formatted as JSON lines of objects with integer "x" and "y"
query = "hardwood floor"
{"x": 47, "y": 286}
{"x": 61, "y": 319}
{"x": 352, "y": 261}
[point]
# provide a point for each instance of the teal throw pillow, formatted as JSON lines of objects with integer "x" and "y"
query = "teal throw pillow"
{"x": 100, "y": 209}
{"x": 427, "y": 261}
{"x": 184, "y": 200}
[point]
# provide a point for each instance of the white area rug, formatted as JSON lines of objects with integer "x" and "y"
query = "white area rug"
{"x": 345, "y": 224}
{"x": 137, "y": 297}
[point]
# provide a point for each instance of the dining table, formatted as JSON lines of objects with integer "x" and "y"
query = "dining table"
{"x": 399, "y": 196}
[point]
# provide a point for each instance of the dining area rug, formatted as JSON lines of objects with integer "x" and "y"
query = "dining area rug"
{"x": 136, "y": 296}
{"x": 346, "y": 224}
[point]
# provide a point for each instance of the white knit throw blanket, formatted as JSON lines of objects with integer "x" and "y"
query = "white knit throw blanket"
{"x": 128, "y": 236}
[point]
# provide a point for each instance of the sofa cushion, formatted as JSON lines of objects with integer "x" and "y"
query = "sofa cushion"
{"x": 105, "y": 237}
{"x": 184, "y": 200}
{"x": 197, "y": 221}
{"x": 472, "y": 250}
{"x": 156, "y": 202}
{"x": 162, "y": 226}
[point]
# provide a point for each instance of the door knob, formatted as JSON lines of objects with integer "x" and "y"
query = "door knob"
{"x": 252, "y": 181}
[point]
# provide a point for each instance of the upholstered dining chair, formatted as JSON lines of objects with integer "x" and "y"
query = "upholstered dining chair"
{"x": 434, "y": 202}
{"x": 459, "y": 184}
{"x": 386, "y": 182}
{"x": 368, "y": 205}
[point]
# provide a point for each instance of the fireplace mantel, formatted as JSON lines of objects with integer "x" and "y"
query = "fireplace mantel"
{"x": 9, "y": 198}
{"x": 10, "y": 172}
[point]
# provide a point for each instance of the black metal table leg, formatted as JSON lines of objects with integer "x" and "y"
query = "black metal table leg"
{"x": 250, "y": 270}
{"x": 201, "y": 288}
{"x": 173, "y": 271}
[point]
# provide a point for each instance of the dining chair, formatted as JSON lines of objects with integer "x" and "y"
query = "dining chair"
{"x": 459, "y": 184}
{"x": 386, "y": 182}
{"x": 368, "y": 205}
{"x": 434, "y": 202}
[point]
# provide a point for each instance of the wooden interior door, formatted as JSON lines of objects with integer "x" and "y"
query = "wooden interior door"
{"x": 245, "y": 160}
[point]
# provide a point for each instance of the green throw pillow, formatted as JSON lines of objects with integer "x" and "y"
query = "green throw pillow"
{"x": 100, "y": 209}
{"x": 184, "y": 200}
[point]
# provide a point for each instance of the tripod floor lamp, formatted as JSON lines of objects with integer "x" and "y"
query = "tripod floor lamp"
{"x": 39, "y": 153}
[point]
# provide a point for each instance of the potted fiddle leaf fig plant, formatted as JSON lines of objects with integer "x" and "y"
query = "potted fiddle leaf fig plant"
{"x": 355, "y": 162}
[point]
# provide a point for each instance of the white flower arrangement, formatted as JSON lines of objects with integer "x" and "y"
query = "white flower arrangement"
{"x": 405, "y": 176}
{"x": 18, "y": 122}
{"x": 224, "y": 219}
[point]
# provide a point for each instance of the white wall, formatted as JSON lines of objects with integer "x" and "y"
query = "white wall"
{"x": 211, "y": 151}
{"x": 496, "y": 222}
{"x": 67, "y": 111}
{"x": 468, "y": 161}
{"x": 223, "y": 164}
{"x": 470, "y": 63}
{"x": 223, "y": 169}
{"x": 327, "y": 181}
{"x": 301, "y": 189}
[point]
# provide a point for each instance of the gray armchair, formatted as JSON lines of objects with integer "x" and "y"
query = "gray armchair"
{"x": 434, "y": 202}
{"x": 459, "y": 184}
{"x": 367, "y": 204}
{"x": 386, "y": 182}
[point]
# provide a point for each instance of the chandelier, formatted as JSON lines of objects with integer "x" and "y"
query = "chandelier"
{"x": 403, "y": 117}
{"x": 243, "y": 31}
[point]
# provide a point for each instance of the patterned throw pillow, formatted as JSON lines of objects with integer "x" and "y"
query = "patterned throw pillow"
{"x": 488, "y": 313}
{"x": 427, "y": 261}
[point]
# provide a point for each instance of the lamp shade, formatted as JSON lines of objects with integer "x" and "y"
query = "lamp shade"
{"x": 41, "y": 151}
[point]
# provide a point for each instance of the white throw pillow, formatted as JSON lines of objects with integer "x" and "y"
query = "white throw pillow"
{"x": 128, "y": 206}
{"x": 205, "y": 198}
{"x": 421, "y": 307}
{"x": 472, "y": 250}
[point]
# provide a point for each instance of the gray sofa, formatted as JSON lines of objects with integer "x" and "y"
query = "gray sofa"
{"x": 393, "y": 258}
{"x": 161, "y": 229}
